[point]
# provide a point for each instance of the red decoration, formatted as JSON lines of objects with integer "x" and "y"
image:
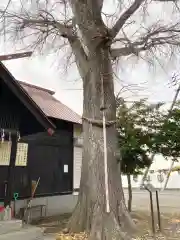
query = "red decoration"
{"x": 50, "y": 131}
{"x": 1, "y": 208}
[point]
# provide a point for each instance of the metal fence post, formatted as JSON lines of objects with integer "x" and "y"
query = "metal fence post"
{"x": 152, "y": 209}
{"x": 158, "y": 211}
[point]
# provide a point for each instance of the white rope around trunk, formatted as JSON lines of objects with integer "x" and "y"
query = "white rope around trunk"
{"x": 105, "y": 164}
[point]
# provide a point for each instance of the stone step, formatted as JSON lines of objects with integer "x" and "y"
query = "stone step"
{"x": 25, "y": 233}
{"x": 10, "y": 226}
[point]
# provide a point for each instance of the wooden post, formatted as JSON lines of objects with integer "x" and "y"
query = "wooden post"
{"x": 152, "y": 208}
{"x": 152, "y": 213}
{"x": 10, "y": 178}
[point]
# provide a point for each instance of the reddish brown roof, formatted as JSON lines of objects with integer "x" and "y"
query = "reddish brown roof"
{"x": 49, "y": 104}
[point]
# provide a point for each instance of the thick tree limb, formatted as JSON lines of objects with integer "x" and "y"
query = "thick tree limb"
{"x": 120, "y": 52}
{"x": 80, "y": 55}
{"x": 88, "y": 18}
{"x": 157, "y": 37}
{"x": 134, "y": 49}
{"x": 67, "y": 31}
{"x": 100, "y": 4}
{"x": 125, "y": 16}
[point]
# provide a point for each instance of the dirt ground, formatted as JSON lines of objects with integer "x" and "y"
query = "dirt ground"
{"x": 170, "y": 226}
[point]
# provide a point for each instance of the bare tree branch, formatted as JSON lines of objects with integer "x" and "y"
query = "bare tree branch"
{"x": 26, "y": 21}
{"x": 65, "y": 30}
{"x": 128, "y": 13}
{"x": 6, "y": 8}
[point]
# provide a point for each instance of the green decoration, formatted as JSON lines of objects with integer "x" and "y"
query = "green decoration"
{"x": 16, "y": 195}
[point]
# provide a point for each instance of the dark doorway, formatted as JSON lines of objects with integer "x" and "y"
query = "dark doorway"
{"x": 47, "y": 163}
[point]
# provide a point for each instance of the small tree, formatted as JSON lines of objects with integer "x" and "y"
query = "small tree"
{"x": 174, "y": 78}
{"x": 134, "y": 160}
{"x": 137, "y": 127}
{"x": 168, "y": 139}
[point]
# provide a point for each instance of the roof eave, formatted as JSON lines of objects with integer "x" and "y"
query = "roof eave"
{"x": 18, "y": 90}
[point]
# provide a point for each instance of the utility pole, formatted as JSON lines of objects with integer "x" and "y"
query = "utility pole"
{"x": 15, "y": 56}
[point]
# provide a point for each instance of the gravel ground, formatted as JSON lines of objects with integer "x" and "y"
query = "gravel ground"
{"x": 170, "y": 226}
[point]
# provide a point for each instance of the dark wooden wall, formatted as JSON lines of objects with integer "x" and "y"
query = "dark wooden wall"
{"x": 47, "y": 155}
{"x": 14, "y": 115}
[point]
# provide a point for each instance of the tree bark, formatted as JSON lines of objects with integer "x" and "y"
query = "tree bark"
{"x": 129, "y": 193}
{"x": 89, "y": 214}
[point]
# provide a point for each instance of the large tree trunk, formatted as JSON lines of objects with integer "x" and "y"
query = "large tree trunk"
{"x": 129, "y": 193}
{"x": 90, "y": 213}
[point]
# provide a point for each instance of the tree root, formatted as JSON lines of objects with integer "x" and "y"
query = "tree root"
{"x": 106, "y": 227}
{"x": 98, "y": 224}
{"x": 77, "y": 220}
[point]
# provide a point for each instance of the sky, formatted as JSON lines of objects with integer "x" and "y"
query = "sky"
{"x": 42, "y": 72}
{"x": 48, "y": 71}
